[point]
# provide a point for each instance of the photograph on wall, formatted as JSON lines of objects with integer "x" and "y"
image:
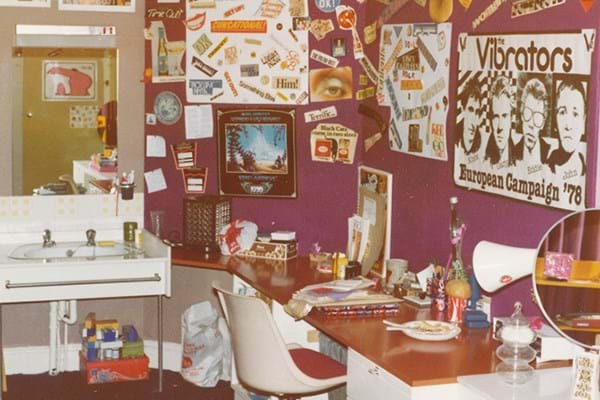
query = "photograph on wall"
{"x": 257, "y": 154}
{"x": 331, "y": 84}
{"x": 69, "y": 80}
{"x": 166, "y": 53}
{"x": 25, "y": 3}
{"x": 97, "y": 5}
{"x": 413, "y": 80}
{"x": 246, "y": 52}
{"x": 521, "y": 116}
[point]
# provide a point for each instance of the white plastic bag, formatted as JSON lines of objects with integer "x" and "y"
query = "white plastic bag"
{"x": 237, "y": 236}
{"x": 206, "y": 346}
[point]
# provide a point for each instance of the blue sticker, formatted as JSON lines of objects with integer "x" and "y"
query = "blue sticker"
{"x": 327, "y": 5}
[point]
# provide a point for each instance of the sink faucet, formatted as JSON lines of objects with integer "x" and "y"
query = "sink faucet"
{"x": 91, "y": 237}
{"x": 47, "y": 237}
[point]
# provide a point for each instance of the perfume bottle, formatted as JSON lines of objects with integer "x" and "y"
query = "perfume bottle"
{"x": 515, "y": 352}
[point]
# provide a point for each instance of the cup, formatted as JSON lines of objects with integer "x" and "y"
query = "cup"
{"x": 127, "y": 190}
{"x": 397, "y": 268}
{"x": 157, "y": 221}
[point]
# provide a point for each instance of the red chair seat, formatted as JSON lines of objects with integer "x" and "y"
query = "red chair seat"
{"x": 316, "y": 365}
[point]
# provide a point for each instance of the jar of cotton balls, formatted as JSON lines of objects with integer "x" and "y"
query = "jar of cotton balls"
{"x": 515, "y": 352}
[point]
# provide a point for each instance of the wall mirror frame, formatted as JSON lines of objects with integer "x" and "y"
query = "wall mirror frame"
{"x": 63, "y": 78}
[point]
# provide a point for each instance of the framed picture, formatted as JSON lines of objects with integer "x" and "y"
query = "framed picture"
{"x": 257, "y": 152}
{"x": 97, "y": 5}
{"x": 25, "y": 3}
{"x": 375, "y": 205}
{"x": 69, "y": 80}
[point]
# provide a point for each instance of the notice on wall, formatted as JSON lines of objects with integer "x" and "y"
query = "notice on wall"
{"x": 521, "y": 115}
{"x": 252, "y": 51}
{"x": 333, "y": 142}
{"x": 413, "y": 80}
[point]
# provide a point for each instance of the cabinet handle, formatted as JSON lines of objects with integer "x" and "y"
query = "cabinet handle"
{"x": 9, "y": 285}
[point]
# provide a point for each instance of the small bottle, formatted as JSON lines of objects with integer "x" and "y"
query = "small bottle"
{"x": 163, "y": 60}
{"x": 138, "y": 238}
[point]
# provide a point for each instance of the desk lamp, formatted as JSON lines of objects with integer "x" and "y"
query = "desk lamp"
{"x": 495, "y": 266}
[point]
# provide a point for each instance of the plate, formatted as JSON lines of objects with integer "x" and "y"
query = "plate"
{"x": 430, "y": 330}
{"x": 167, "y": 107}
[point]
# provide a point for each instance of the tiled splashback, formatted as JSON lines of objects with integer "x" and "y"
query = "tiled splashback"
{"x": 23, "y": 218}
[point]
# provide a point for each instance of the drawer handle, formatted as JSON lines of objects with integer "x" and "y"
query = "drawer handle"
{"x": 9, "y": 285}
{"x": 374, "y": 371}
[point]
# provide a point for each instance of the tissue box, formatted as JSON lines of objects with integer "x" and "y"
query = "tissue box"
{"x": 275, "y": 250}
{"x": 131, "y": 369}
{"x": 558, "y": 265}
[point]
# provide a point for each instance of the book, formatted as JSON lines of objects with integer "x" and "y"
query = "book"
{"x": 283, "y": 235}
{"x": 580, "y": 320}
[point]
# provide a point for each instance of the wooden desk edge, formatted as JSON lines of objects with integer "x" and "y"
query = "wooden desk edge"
{"x": 185, "y": 262}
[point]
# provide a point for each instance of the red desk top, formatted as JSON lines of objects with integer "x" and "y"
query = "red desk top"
{"x": 417, "y": 363}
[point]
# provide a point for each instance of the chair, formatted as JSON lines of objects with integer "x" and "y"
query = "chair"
{"x": 264, "y": 362}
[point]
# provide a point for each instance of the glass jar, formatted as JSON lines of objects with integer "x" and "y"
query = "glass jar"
{"x": 515, "y": 352}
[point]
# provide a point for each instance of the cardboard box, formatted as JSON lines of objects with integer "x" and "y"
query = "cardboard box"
{"x": 106, "y": 371}
{"x": 274, "y": 250}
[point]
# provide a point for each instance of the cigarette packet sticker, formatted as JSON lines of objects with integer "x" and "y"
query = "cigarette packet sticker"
{"x": 237, "y": 49}
{"x": 413, "y": 80}
{"x": 521, "y": 115}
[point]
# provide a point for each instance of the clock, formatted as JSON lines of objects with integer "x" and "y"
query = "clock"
{"x": 167, "y": 107}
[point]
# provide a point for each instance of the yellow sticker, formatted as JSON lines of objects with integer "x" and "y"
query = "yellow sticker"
{"x": 411, "y": 84}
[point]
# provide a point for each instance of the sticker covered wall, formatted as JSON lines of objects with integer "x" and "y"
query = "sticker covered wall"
{"x": 413, "y": 80}
{"x": 246, "y": 52}
{"x": 521, "y": 111}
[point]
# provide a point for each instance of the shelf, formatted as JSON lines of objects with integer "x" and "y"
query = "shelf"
{"x": 585, "y": 274}
{"x": 564, "y": 327}
{"x": 570, "y": 283}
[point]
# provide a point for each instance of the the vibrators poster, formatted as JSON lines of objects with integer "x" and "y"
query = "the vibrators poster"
{"x": 414, "y": 64}
{"x": 251, "y": 51}
{"x": 521, "y": 127}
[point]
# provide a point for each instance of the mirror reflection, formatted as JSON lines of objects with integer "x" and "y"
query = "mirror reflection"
{"x": 64, "y": 120}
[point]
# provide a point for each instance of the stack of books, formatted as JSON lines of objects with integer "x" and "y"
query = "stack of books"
{"x": 357, "y": 309}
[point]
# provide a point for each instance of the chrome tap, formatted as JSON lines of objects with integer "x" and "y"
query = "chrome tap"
{"x": 47, "y": 237}
{"x": 90, "y": 234}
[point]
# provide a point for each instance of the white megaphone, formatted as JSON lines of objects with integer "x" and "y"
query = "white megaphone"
{"x": 496, "y": 265}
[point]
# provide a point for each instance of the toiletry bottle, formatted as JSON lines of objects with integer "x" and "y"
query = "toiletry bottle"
{"x": 138, "y": 238}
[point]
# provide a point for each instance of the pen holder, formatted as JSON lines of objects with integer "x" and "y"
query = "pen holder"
{"x": 126, "y": 190}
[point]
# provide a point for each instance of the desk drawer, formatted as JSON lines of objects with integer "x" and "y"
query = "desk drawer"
{"x": 368, "y": 381}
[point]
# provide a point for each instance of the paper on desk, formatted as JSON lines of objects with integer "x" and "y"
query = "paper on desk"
{"x": 198, "y": 122}
{"x": 156, "y": 146}
{"x": 155, "y": 180}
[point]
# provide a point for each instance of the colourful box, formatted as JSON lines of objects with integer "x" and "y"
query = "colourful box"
{"x": 274, "y": 249}
{"x": 107, "y": 371}
{"x": 558, "y": 265}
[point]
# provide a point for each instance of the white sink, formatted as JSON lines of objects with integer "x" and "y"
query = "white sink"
{"x": 67, "y": 250}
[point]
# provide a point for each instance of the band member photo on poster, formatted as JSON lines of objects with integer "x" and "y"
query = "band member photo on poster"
{"x": 567, "y": 160}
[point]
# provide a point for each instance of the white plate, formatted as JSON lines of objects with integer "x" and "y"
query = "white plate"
{"x": 419, "y": 330}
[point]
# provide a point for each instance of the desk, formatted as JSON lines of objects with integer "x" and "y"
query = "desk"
{"x": 438, "y": 363}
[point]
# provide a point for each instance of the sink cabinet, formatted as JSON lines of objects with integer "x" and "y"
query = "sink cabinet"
{"x": 103, "y": 277}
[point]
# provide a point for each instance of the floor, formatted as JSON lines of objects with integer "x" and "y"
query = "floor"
{"x": 71, "y": 386}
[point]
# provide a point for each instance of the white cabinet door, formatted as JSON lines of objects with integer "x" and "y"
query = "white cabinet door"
{"x": 368, "y": 381}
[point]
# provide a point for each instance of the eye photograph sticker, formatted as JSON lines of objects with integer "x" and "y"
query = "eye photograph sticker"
{"x": 331, "y": 84}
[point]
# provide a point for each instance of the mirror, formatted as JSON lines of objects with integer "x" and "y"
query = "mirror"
{"x": 64, "y": 115}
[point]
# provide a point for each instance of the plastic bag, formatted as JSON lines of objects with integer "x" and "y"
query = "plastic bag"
{"x": 206, "y": 346}
{"x": 237, "y": 236}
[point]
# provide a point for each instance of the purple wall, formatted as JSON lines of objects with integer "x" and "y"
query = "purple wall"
{"x": 422, "y": 187}
{"x": 327, "y": 192}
